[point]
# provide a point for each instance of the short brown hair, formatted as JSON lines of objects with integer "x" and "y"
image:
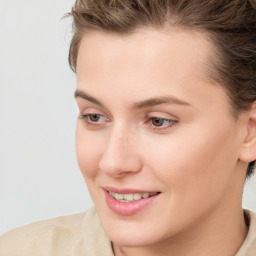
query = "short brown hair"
{"x": 231, "y": 25}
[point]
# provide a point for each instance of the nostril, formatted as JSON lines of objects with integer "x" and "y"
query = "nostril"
{"x": 120, "y": 164}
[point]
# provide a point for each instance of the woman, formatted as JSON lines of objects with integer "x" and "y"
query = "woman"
{"x": 166, "y": 134}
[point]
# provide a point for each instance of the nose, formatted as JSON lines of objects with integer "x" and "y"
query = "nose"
{"x": 121, "y": 156}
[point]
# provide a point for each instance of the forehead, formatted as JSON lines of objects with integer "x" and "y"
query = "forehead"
{"x": 145, "y": 64}
{"x": 145, "y": 49}
{"x": 145, "y": 45}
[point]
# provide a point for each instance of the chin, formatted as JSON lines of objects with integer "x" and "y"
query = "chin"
{"x": 132, "y": 241}
{"x": 133, "y": 234}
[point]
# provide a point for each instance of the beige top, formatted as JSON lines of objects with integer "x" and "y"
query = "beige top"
{"x": 79, "y": 235}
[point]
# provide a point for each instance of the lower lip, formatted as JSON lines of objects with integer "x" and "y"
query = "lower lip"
{"x": 128, "y": 209}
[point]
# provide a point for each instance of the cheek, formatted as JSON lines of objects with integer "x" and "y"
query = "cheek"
{"x": 195, "y": 169}
{"x": 88, "y": 152}
{"x": 199, "y": 160}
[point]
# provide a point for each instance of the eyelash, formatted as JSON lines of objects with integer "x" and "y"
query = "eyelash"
{"x": 172, "y": 122}
{"x": 86, "y": 119}
{"x": 159, "y": 128}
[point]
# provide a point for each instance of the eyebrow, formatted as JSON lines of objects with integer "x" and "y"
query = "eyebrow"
{"x": 160, "y": 100}
{"x": 138, "y": 105}
{"x": 85, "y": 96}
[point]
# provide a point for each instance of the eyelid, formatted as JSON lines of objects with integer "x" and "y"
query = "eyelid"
{"x": 90, "y": 111}
{"x": 85, "y": 114}
{"x": 93, "y": 124}
{"x": 91, "y": 114}
{"x": 162, "y": 128}
{"x": 162, "y": 115}
{"x": 169, "y": 120}
{"x": 172, "y": 121}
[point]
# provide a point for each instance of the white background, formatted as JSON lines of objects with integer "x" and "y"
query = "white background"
{"x": 39, "y": 176}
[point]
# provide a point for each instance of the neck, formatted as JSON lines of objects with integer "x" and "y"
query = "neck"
{"x": 221, "y": 233}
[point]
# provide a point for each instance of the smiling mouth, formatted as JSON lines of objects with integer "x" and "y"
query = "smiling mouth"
{"x": 131, "y": 197}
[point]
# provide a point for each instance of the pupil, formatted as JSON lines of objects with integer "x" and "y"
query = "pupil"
{"x": 94, "y": 117}
{"x": 157, "y": 121}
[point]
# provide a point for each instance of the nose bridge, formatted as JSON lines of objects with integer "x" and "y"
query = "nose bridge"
{"x": 118, "y": 142}
{"x": 119, "y": 156}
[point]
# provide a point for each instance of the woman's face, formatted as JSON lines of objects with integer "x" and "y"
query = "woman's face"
{"x": 152, "y": 121}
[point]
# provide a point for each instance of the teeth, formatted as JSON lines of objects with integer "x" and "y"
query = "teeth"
{"x": 145, "y": 195}
{"x": 137, "y": 196}
{"x": 128, "y": 197}
{"x": 119, "y": 196}
{"x": 131, "y": 197}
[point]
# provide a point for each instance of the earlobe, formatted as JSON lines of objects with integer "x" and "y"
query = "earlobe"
{"x": 248, "y": 151}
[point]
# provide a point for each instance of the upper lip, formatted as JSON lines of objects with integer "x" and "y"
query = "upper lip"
{"x": 128, "y": 190}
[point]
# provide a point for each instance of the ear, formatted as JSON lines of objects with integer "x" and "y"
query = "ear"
{"x": 248, "y": 150}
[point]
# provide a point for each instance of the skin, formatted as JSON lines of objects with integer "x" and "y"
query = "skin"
{"x": 197, "y": 160}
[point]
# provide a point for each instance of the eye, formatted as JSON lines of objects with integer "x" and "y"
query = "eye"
{"x": 158, "y": 122}
{"x": 94, "y": 119}
{"x": 161, "y": 123}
